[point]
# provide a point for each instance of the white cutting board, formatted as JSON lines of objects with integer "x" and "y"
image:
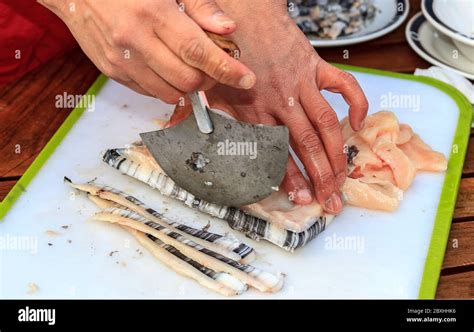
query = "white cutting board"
{"x": 384, "y": 260}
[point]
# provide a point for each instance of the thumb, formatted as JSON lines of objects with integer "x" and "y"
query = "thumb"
{"x": 208, "y": 15}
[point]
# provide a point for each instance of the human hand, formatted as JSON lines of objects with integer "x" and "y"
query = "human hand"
{"x": 290, "y": 76}
{"x": 156, "y": 48}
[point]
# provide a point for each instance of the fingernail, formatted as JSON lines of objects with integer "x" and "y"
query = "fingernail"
{"x": 333, "y": 204}
{"x": 304, "y": 196}
{"x": 247, "y": 82}
{"x": 223, "y": 20}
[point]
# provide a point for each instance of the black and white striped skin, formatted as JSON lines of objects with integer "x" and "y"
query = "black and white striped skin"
{"x": 135, "y": 216}
{"x": 255, "y": 228}
{"x": 208, "y": 272}
{"x": 230, "y": 246}
{"x": 222, "y": 285}
{"x": 241, "y": 249}
{"x": 244, "y": 251}
{"x": 259, "y": 279}
{"x": 225, "y": 279}
{"x": 243, "y": 267}
{"x": 271, "y": 281}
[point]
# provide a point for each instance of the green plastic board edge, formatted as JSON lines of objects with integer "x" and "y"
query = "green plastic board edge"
{"x": 444, "y": 214}
{"x": 445, "y": 210}
{"x": 49, "y": 148}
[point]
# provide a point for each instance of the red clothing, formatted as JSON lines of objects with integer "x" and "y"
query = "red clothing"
{"x": 30, "y": 35}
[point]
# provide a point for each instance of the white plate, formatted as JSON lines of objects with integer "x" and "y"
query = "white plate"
{"x": 467, "y": 50}
{"x": 389, "y": 16}
{"x": 436, "y": 48}
{"x": 454, "y": 18}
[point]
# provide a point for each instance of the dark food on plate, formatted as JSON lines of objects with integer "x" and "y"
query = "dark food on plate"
{"x": 330, "y": 19}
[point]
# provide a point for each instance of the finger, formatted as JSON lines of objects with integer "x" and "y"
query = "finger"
{"x": 155, "y": 85}
{"x": 209, "y": 16}
{"x": 189, "y": 42}
{"x": 311, "y": 151}
{"x": 323, "y": 117}
{"x": 134, "y": 86}
{"x": 158, "y": 57}
{"x": 296, "y": 185}
{"x": 336, "y": 80}
{"x": 171, "y": 68}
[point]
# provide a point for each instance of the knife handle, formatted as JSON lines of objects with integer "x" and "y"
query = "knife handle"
{"x": 200, "y": 110}
{"x": 198, "y": 98}
{"x": 225, "y": 44}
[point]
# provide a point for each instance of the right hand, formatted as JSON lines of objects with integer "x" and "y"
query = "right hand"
{"x": 155, "y": 47}
{"x": 290, "y": 77}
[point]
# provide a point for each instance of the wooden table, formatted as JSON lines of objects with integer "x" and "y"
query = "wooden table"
{"x": 29, "y": 118}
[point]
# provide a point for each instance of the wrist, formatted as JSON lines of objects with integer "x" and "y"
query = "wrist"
{"x": 51, "y": 4}
{"x": 59, "y": 7}
{"x": 244, "y": 8}
{"x": 253, "y": 16}
{"x": 263, "y": 28}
